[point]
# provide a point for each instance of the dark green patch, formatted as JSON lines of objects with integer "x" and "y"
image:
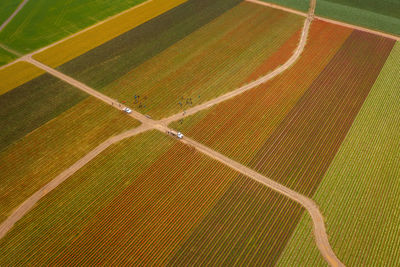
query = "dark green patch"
{"x": 115, "y": 58}
{"x": 32, "y": 104}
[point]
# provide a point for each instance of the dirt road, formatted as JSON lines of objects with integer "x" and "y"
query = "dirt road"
{"x": 5, "y": 23}
{"x": 321, "y": 237}
{"x": 28, "y": 204}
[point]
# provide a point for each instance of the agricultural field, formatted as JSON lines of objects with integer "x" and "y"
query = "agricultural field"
{"x": 17, "y": 74}
{"x": 77, "y": 45}
{"x": 153, "y": 211}
{"x": 6, "y": 56}
{"x": 7, "y": 7}
{"x": 291, "y": 127}
{"x": 362, "y": 210}
{"x": 46, "y": 122}
{"x": 382, "y": 15}
{"x": 205, "y": 38}
{"x": 302, "y": 5}
{"x": 43, "y": 22}
{"x": 84, "y": 183}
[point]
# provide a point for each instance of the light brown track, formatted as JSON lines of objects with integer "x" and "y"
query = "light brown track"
{"x": 319, "y": 230}
{"x": 8, "y": 20}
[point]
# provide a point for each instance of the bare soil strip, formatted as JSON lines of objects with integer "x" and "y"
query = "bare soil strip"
{"x": 387, "y": 35}
{"x": 320, "y": 234}
{"x": 5, "y": 23}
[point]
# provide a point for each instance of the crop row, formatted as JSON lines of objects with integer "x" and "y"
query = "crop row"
{"x": 40, "y": 156}
{"x": 96, "y": 36}
{"x": 190, "y": 62}
{"x": 150, "y": 200}
{"x": 300, "y": 150}
{"x": 359, "y": 194}
{"x": 213, "y": 60}
{"x": 239, "y": 127}
{"x": 250, "y": 225}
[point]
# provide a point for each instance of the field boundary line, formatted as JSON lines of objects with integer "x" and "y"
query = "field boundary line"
{"x": 77, "y": 33}
{"x": 16, "y": 11}
{"x": 336, "y": 22}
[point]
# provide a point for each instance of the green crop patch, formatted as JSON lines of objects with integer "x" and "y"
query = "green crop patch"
{"x": 6, "y": 57}
{"x": 42, "y": 22}
{"x": 7, "y": 7}
{"x": 115, "y": 58}
{"x": 32, "y": 104}
{"x": 359, "y": 195}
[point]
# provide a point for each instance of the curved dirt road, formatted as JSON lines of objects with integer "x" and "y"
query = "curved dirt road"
{"x": 299, "y": 50}
{"x": 29, "y": 203}
{"x": 319, "y": 230}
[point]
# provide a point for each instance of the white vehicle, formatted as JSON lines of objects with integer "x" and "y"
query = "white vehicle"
{"x": 179, "y": 135}
{"x": 128, "y": 110}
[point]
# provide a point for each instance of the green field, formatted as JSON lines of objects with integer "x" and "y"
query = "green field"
{"x": 186, "y": 64}
{"x": 32, "y": 104}
{"x": 134, "y": 205}
{"x": 378, "y": 15}
{"x": 42, "y": 22}
{"x": 381, "y": 15}
{"x": 359, "y": 195}
{"x": 7, "y": 7}
{"x": 6, "y": 57}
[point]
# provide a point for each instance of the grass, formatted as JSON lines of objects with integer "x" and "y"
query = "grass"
{"x": 43, "y": 22}
{"x": 32, "y": 104}
{"x": 17, "y": 74}
{"x": 359, "y": 195}
{"x": 7, "y": 7}
{"x": 6, "y": 57}
{"x": 222, "y": 54}
{"x": 294, "y": 256}
{"x": 83, "y": 42}
{"x": 142, "y": 207}
{"x": 40, "y": 156}
{"x": 378, "y": 15}
{"x": 302, "y": 5}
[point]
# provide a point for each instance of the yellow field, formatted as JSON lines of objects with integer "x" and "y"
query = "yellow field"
{"x": 81, "y": 43}
{"x": 16, "y": 75}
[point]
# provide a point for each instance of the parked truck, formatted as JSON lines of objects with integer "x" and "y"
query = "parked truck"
{"x": 178, "y": 135}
